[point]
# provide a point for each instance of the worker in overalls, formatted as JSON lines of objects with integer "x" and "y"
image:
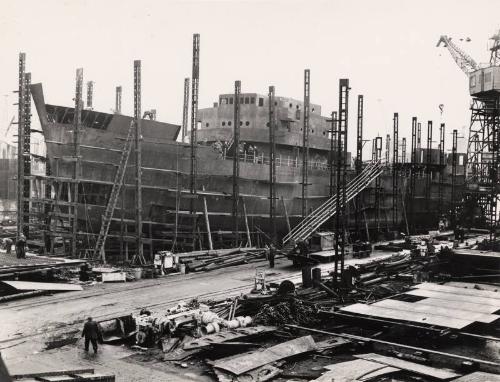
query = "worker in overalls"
{"x": 272, "y": 255}
{"x": 7, "y": 244}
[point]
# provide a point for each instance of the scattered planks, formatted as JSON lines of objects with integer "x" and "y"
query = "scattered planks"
{"x": 250, "y": 361}
{"x": 354, "y": 371}
{"x": 228, "y": 335}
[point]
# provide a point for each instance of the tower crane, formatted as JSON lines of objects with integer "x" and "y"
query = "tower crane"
{"x": 483, "y": 148}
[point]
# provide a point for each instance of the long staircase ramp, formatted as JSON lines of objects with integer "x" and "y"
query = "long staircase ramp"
{"x": 113, "y": 198}
{"x": 320, "y": 215}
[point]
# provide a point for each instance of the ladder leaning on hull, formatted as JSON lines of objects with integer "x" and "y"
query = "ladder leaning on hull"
{"x": 320, "y": 215}
{"x": 113, "y": 197}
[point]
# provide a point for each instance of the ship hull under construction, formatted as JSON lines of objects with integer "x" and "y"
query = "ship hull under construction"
{"x": 166, "y": 177}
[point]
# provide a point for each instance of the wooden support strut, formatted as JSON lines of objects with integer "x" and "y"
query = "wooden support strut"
{"x": 207, "y": 222}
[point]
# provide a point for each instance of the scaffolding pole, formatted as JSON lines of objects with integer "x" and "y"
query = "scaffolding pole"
{"x": 395, "y": 172}
{"x": 22, "y": 228}
{"x": 441, "y": 169}
{"x": 90, "y": 94}
{"x": 454, "y": 163}
{"x": 236, "y": 161}
{"x": 387, "y": 149}
{"x": 377, "y": 155}
{"x": 413, "y": 172}
{"x": 272, "y": 164}
{"x": 428, "y": 167}
{"x": 419, "y": 136}
{"x": 185, "y": 110}
{"x": 139, "y": 252}
{"x": 27, "y": 156}
{"x": 333, "y": 137}
{"x": 195, "y": 76}
{"x": 359, "y": 160}
{"x": 305, "y": 143}
{"x": 341, "y": 222}
{"x": 118, "y": 100}
{"x": 77, "y": 119}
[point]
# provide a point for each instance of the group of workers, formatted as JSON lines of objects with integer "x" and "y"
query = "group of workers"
{"x": 20, "y": 246}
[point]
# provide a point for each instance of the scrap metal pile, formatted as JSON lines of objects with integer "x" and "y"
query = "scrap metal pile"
{"x": 254, "y": 336}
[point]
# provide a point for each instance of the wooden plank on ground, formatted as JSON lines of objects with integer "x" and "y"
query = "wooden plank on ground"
{"x": 28, "y": 285}
{"x": 250, "y": 361}
{"x": 410, "y": 366}
{"x": 454, "y": 297}
{"x": 410, "y": 316}
{"x": 479, "y": 376}
{"x": 458, "y": 290}
{"x": 352, "y": 370}
{"x": 469, "y": 306}
{"x": 437, "y": 310}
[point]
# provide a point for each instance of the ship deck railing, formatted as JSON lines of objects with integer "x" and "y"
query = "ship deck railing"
{"x": 281, "y": 161}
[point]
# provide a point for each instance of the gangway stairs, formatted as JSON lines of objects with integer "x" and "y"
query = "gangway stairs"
{"x": 113, "y": 198}
{"x": 320, "y": 215}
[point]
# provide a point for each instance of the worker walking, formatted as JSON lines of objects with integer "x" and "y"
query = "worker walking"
{"x": 21, "y": 247}
{"x": 92, "y": 333}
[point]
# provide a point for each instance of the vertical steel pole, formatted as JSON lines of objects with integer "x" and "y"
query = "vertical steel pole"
{"x": 454, "y": 163}
{"x": 139, "y": 255}
{"x": 118, "y": 100}
{"x": 441, "y": 169}
{"x": 195, "y": 75}
{"x": 359, "y": 160}
{"x": 395, "y": 164}
{"x": 90, "y": 94}
{"x": 77, "y": 119}
{"x": 333, "y": 138}
{"x": 236, "y": 161}
{"x": 428, "y": 183}
{"x": 413, "y": 172}
{"x": 341, "y": 225}
{"x": 185, "y": 110}
{"x": 403, "y": 150}
{"x": 305, "y": 143}
{"x": 20, "y": 144}
{"x": 27, "y": 156}
{"x": 272, "y": 164}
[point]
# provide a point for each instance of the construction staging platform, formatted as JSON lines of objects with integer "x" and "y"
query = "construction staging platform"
{"x": 447, "y": 306}
{"x": 10, "y": 265}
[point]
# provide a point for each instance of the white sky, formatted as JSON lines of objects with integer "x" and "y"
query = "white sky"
{"x": 387, "y": 48}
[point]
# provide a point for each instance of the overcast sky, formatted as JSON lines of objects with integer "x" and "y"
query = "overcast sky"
{"x": 386, "y": 48}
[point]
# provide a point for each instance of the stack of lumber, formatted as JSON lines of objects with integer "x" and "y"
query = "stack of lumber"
{"x": 209, "y": 260}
